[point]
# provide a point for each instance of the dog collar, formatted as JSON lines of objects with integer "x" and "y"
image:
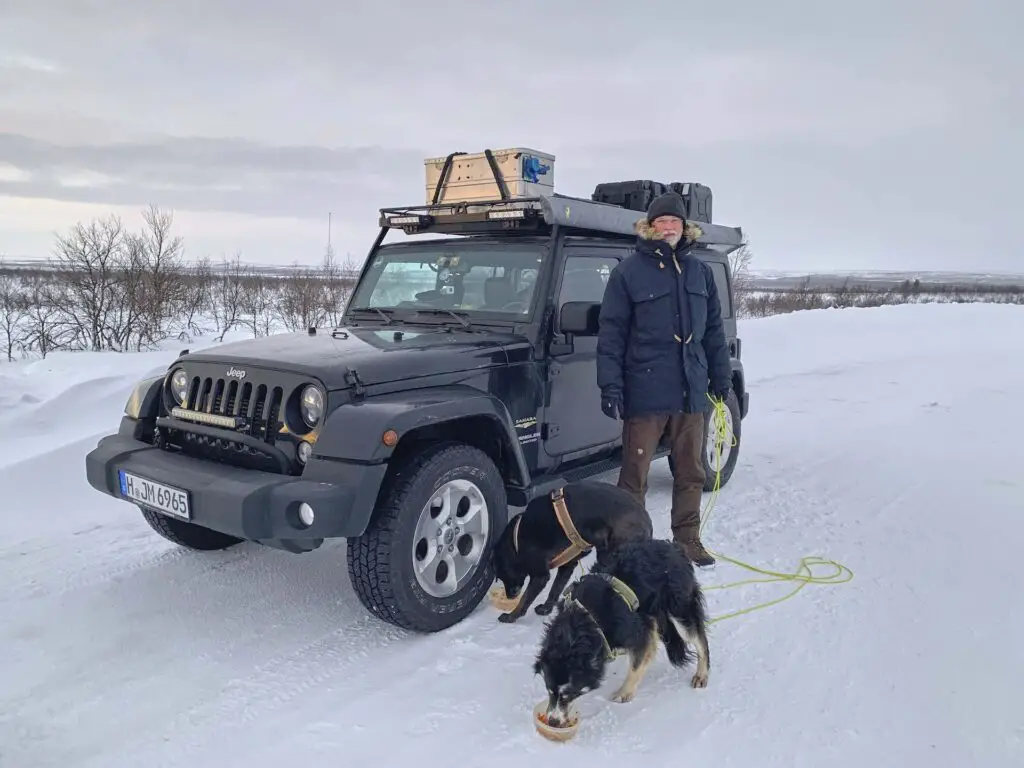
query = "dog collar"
{"x": 622, "y": 589}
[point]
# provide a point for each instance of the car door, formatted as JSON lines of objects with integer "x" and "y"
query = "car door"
{"x": 574, "y": 423}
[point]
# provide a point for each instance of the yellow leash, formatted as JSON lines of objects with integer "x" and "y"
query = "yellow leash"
{"x": 804, "y": 573}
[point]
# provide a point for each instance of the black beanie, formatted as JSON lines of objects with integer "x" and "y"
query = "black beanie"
{"x": 667, "y": 204}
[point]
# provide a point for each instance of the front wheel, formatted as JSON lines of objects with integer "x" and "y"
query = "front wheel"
{"x": 730, "y": 446}
{"x": 422, "y": 563}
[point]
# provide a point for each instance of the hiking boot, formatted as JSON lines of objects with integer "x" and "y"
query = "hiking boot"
{"x": 695, "y": 551}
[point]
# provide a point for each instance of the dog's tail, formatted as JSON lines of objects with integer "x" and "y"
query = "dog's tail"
{"x": 679, "y": 654}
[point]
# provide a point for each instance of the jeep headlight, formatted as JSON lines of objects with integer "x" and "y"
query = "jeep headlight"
{"x": 179, "y": 386}
{"x": 311, "y": 405}
{"x": 133, "y": 407}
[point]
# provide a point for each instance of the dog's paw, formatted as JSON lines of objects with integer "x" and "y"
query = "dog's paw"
{"x": 543, "y": 609}
{"x": 699, "y": 680}
{"x": 622, "y": 697}
{"x": 506, "y": 618}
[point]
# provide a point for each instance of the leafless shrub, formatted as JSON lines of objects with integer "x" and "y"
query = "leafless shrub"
{"x": 259, "y": 304}
{"x": 339, "y": 282}
{"x": 739, "y": 268}
{"x": 196, "y": 296}
{"x": 14, "y": 302}
{"x": 303, "y": 299}
{"x": 227, "y": 293}
{"x": 45, "y": 323}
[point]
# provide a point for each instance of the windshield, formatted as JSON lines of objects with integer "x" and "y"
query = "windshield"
{"x": 461, "y": 277}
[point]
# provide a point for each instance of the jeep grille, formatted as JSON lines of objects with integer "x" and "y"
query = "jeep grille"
{"x": 260, "y": 406}
{"x": 239, "y": 398}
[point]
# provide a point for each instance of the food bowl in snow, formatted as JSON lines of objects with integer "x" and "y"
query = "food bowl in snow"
{"x": 500, "y": 601}
{"x": 550, "y": 732}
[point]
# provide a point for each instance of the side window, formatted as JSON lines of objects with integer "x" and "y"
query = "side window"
{"x": 585, "y": 277}
{"x": 722, "y": 283}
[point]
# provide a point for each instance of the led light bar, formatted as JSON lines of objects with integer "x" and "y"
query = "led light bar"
{"x": 211, "y": 419}
{"x": 519, "y": 214}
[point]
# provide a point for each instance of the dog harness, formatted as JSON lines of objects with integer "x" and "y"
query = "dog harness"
{"x": 624, "y": 591}
{"x": 577, "y": 544}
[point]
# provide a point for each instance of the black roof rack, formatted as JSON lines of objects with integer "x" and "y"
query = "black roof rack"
{"x": 537, "y": 215}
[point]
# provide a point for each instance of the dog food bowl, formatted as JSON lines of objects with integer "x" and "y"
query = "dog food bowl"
{"x": 500, "y": 601}
{"x": 549, "y": 731}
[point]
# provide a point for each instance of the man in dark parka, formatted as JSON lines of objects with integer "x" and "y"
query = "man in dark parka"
{"x": 661, "y": 350}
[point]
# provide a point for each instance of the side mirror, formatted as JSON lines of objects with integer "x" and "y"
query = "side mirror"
{"x": 579, "y": 318}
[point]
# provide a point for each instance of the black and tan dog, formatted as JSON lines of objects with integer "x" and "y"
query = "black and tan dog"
{"x": 556, "y": 531}
{"x": 647, "y": 592}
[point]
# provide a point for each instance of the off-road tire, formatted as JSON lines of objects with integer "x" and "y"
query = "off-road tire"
{"x": 380, "y": 561}
{"x": 733, "y": 404}
{"x": 188, "y": 534}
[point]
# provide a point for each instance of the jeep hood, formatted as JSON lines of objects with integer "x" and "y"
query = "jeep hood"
{"x": 379, "y": 354}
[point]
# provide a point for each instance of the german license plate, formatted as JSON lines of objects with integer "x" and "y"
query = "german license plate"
{"x": 163, "y": 498}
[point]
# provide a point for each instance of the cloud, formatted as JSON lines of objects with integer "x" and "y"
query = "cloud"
{"x": 806, "y": 119}
{"x": 205, "y": 174}
{"x": 18, "y": 61}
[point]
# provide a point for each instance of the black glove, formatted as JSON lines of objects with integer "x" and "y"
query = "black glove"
{"x": 720, "y": 391}
{"x": 611, "y": 404}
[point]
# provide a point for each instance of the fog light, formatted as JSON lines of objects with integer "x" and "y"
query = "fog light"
{"x": 304, "y": 451}
{"x": 305, "y": 514}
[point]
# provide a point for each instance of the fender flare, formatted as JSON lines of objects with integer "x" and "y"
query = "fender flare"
{"x": 352, "y": 432}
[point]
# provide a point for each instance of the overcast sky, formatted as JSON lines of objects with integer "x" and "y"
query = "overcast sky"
{"x": 866, "y": 135}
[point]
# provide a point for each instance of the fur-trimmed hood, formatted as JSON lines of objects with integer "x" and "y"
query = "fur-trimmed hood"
{"x": 645, "y": 230}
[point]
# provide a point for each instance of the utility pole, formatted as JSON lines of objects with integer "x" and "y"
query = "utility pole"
{"x": 329, "y": 215}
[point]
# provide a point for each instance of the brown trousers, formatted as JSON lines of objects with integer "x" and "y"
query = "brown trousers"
{"x": 640, "y": 437}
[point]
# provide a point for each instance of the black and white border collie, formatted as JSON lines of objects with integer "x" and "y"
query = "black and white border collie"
{"x": 646, "y": 591}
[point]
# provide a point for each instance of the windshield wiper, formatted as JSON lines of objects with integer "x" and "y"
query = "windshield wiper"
{"x": 384, "y": 313}
{"x": 437, "y": 311}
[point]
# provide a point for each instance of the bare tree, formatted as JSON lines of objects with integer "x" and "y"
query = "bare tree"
{"x": 44, "y": 329}
{"x": 132, "y": 327}
{"x": 739, "y": 266}
{"x": 195, "y": 296}
{"x": 13, "y": 311}
{"x": 303, "y": 299}
{"x": 259, "y": 304}
{"x": 227, "y": 293}
{"x": 339, "y": 282}
{"x": 88, "y": 256}
{"x": 163, "y": 281}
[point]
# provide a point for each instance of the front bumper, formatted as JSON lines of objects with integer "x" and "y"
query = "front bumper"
{"x": 241, "y": 502}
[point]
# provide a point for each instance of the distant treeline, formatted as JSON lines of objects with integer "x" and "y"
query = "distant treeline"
{"x": 109, "y": 288}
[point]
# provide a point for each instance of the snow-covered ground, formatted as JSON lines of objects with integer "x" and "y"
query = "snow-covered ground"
{"x": 887, "y": 439}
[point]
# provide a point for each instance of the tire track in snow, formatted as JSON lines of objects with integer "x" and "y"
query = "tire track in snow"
{"x": 347, "y": 653}
{"x": 382, "y": 671}
{"x": 42, "y": 569}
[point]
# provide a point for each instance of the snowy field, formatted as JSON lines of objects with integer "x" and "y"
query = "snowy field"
{"x": 887, "y": 439}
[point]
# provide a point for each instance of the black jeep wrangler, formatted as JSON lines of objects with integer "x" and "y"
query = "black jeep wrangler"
{"x": 461, "y": 381}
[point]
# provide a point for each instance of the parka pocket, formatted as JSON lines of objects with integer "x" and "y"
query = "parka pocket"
{"x": 653, "y": 314}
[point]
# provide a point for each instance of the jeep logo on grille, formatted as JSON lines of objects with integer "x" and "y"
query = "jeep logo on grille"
{"x": 236, "y": 373}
